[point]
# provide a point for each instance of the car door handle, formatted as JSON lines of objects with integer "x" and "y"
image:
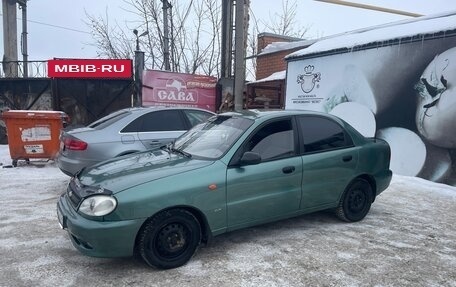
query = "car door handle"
{"x": 347, "y": 158}
{"x": 288, "y": 169}
{"x": 154, "y": 143}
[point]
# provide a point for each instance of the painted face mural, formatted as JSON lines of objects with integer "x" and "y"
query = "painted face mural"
{"x": 436, "y": 111}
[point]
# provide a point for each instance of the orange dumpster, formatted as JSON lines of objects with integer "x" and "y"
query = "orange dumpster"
{"x": 33, "y": 134}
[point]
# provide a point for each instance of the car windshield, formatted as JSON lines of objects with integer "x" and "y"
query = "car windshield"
{"x": 213, "y": 138}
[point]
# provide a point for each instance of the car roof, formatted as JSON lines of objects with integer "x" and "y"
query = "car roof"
{"x": 265, "y": 115}
{"x": 144, "y": 109}
{"x": 257, "y": 114}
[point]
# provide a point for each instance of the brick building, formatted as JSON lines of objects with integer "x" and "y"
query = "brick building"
{"x": 268, "y": 91}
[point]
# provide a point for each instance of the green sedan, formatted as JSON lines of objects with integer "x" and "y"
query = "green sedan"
{"x": 234, "y": 171}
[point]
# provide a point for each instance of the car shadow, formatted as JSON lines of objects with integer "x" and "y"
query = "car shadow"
{"x": 313, "y": 221}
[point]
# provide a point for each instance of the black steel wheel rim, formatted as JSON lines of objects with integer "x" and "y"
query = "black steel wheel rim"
{"x": 356, "y": 201}
{"x": 172, "y": 240}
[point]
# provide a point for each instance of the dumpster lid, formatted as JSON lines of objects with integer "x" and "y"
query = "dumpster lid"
{"x": 24, "y": 114}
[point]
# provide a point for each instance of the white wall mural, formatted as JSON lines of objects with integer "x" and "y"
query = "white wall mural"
{"x": 402, "y": 91}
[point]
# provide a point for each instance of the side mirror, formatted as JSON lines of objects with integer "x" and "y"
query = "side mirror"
{"x": 250, "y": 158}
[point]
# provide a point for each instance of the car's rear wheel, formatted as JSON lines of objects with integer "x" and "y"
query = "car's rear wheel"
{"x": 356, "y": 201}
{"x": 169, "y": 239}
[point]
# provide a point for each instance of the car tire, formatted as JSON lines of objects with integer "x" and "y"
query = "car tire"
{"x": 356, "y": 201}
{"x": 169, "y": 239}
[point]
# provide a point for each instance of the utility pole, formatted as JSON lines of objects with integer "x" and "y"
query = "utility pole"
{"x": 226, "y": 64}
{"x": 239, "y": 55}
{"x": 166, "y": 5}
{"x": 139, "y": 68}
{"x": 10, "y": 39}
{"x": 23, "y": 6}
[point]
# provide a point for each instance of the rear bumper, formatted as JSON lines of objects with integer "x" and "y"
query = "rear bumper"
{"x": 71, "y": 166}
{"x": 98, "y": 238}
{"x": 383, "y": 180}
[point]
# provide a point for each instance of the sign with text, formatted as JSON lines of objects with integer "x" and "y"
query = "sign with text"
{"x": 161, "y": 88}
{"x": 90, "y": 68}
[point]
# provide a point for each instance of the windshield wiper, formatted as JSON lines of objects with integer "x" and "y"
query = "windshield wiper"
{"x": 184, "y": 153}
{"x": 167, "y": 147}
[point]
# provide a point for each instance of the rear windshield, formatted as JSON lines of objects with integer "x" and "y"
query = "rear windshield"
{"x": 108, "y": 120}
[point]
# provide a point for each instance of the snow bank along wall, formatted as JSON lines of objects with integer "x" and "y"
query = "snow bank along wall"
{"x": 396, "y": 82}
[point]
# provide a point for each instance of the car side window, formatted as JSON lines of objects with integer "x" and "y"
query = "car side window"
{"x": 108, "y": 120}
{"x": 320, "y": 134}
{"x": 195, "y": 117}
{"x": 157, "y": 121}
{"x": 274, "y": 140}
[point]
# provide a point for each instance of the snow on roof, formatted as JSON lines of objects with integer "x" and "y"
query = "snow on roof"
{"x": 390, "y": 31}
{"x": 274, "y": 77}
{"x": 283, "y": 46}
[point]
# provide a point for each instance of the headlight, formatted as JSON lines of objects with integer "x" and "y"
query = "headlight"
{"x": 98, "y": 205}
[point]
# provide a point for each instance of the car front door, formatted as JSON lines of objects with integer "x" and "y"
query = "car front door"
{"x": 268, "y": 189}
{"x": 329, "y": 161}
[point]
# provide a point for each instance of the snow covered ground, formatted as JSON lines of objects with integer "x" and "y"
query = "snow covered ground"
{"x": 408, "y": 239}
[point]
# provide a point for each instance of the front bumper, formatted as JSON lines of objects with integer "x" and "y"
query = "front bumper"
{"x": 98, "y": 238}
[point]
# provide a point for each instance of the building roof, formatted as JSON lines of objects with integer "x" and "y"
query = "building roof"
{"x": 283, "y": 46}
{"x": 415, "y": 29}
{"x": 277, "y": 76}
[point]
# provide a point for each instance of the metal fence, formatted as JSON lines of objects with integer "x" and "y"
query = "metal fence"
{"x": 84, "y": 100}
{"x": 21, "y": 69}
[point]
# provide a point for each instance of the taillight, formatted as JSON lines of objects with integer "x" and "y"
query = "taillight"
{"x": 74, "y": 144}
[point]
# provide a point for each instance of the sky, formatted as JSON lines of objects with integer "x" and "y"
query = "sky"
{"x": 56, "y": 28}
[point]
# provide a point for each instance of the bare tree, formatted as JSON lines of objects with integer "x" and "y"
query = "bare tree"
{"x": 195, "y": 31}
{"x": 111, "y": 41}
{"x": 194, "y": 37}
{"x": 282, "y": 22}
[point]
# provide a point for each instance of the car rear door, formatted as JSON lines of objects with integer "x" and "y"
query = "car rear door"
{"x": 329, "y": 160}
{"x": 271, "y": 188}
{"x": 157, "y": 128}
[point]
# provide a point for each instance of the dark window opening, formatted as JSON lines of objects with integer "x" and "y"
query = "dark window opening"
{"x": 275, "y": 140}
{"x": 320, "y": 134}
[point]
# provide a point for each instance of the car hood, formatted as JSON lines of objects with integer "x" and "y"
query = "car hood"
{"x": 130, "y": 170}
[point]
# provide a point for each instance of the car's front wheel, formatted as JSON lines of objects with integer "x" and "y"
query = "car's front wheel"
{"x": 356, "y": 201}
{"x": 169, "y": 239}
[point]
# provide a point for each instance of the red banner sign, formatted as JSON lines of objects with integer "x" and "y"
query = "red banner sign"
{"x": 90, "y": 68}
{"x": 161, "y": 88}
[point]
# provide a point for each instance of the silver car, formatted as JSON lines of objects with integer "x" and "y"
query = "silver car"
{"x": 123, "y": 132}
